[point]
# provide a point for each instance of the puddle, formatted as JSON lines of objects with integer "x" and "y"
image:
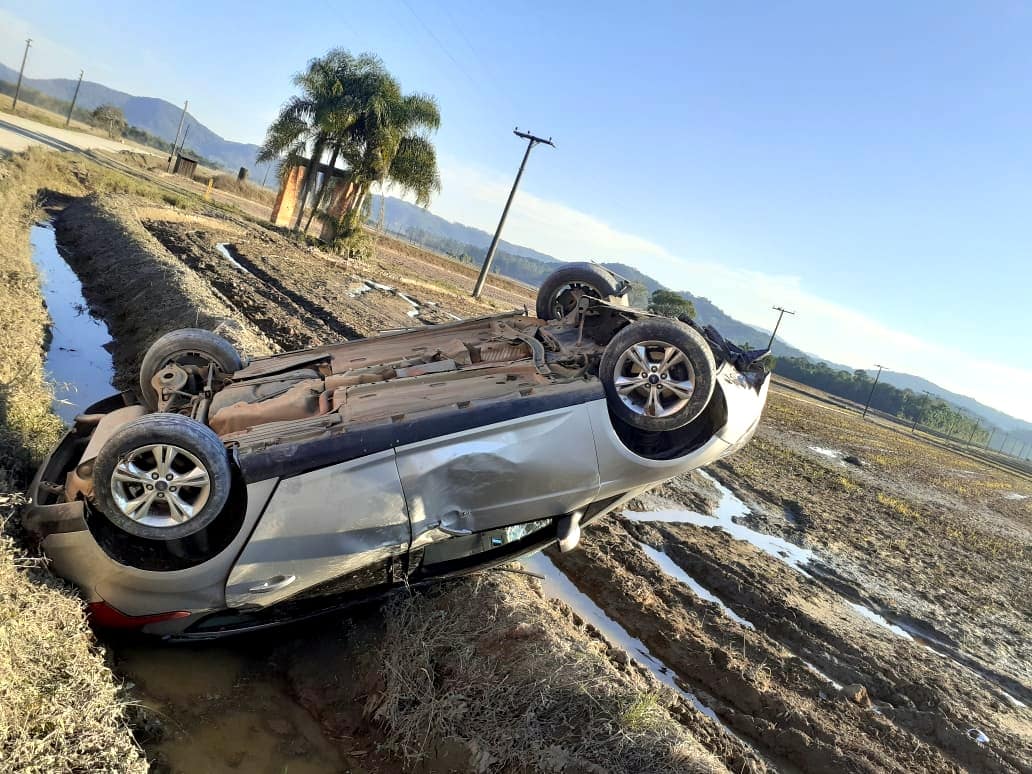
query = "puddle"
{"x": 832, "y": 453}
{"x": 415, "y": 310}
{"x": 870, "y": 615}
{"x": 557, "y": 586}
{"x": 729, "y": 509}
{"x": 224, "y": 251}
{"x": 671, "y": 568}
{"x": 816, "y": 670}
{"x": 221, "y": 712}
{"x": 76, "y": 360}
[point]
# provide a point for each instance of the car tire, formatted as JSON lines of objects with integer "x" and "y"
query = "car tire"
{"x": 162, "y": 477}
{"x": 554, "y": 300}
{"x": 190, "y": 347}
{"x": 658, "y": 374}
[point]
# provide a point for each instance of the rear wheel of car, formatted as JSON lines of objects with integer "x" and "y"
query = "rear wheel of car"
{"x": 561, "y": 289}
{"x": 658, "y": 374}
{"x": 192, "y": 349}
{"x": 162, "y": 477}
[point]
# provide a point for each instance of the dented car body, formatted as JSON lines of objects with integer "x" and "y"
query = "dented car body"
{"x": 345, "y": 470}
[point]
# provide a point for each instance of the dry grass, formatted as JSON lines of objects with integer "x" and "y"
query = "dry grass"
{"x": 485, "y": 666}
{"x": 246, "y": 189}
{"x": 59, "y": 706}
{"x": 27, "y": 427}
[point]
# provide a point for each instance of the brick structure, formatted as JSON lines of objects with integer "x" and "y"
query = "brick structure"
{"x": 286, "y": 199}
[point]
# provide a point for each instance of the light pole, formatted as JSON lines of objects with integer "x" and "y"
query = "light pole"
{"x": 781, "y": 313}
{"x": 531, "y": 142}
{"x": 871, "y": 393}
{"x": 21, "y": 73}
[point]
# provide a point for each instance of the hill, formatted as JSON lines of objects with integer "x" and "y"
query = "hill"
{"x": 151, "y": 114}
{"x": 1016, "y": 428}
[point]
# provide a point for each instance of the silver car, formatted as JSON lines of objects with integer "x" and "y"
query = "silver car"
{"x": 225, "y": 496}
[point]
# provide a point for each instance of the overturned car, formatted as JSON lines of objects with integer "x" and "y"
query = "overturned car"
{"x": 225, "y": 496}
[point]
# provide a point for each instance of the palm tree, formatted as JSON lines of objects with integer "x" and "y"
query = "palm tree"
{"x": 388, "y": 146}
{"x": 352, "y": 107}
{"x": 322, "y": 111}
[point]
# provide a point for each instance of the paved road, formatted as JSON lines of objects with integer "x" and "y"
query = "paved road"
{"x": 18, "y": 133}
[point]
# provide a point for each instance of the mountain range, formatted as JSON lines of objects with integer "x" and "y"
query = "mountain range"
{"x": 151, "y": 114}
{"x": 161, "y": 118}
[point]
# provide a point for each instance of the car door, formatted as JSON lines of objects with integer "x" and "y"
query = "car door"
{"x": 323, "y": 525}
{"x": 512, "y": 472}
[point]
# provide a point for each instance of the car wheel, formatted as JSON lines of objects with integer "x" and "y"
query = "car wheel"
{"x": 561, "y": 289}
{"x": 658, "y": 374}
{"x": 192, "y": 349}
{"x": 162, "y": 477}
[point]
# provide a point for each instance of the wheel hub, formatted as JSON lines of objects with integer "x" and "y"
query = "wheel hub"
{"x": 161, "y": 485}
{"x": 654, "y": 379}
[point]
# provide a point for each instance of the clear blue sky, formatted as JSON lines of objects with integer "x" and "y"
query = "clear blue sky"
{"x": 870, "y": 164}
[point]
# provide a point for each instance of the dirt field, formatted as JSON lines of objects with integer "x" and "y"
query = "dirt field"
{"x": 805, "y": 612}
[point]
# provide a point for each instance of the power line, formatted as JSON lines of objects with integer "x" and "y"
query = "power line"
{"x": 490, "y": 93}
{"x": 532, "y": 140}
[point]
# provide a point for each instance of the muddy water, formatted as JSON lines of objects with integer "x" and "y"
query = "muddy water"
{"x": 223, "y": 709}
{"x": 556, "y": 585}
{"x": 211, "y": 708}
{"x": 77, "y": 362}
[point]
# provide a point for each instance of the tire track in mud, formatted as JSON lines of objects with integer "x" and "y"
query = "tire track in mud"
{"x": 318, "y": 324}
{"x": 763, "y": 691}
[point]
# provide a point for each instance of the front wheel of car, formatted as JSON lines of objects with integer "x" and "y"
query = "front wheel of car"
{"x": 658, "y": 374}
{"x": 162, "y": 477}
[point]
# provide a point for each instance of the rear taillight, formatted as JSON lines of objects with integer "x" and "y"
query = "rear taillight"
{"x": 104, "y": 615}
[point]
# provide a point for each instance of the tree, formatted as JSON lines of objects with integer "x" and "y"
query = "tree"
{"x": 354, "y": 109}
{"x": 670, "y": 304}
{"x": 111, "y": 118}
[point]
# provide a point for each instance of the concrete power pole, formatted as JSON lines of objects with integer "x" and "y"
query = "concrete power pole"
{"x": 781, "y": 313}
{"x": 175, "y": 142}
{"x": 871, "y": 393}
{"x": 21, "y": 73}
{"x": 75, "y": 96}
{"x": 486, "y": 268}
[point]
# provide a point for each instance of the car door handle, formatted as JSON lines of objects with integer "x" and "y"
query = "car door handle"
{"x": 274, "y": 583}
{"x": 453, "y": 531}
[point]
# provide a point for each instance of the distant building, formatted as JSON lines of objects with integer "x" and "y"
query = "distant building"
{"x": 185, "y": 165}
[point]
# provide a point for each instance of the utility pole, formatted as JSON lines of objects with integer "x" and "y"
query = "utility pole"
{"x": 991, "y": 434}
{"x": 782, "y": 312}
{"x": 172, "y": 153}
{"x": 21, "y": 73}
{"x": 183, "y": 143}
{"x": 74, "y": 97}
{"x": 973, "y": 431}
{"x": 871, "y": 393}
{"x": 913, "y": 427}
{"x": 531, "y": 142}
